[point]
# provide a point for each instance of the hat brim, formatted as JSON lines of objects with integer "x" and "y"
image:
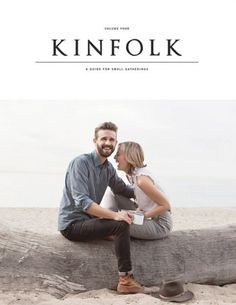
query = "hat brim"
{"x": 186, "y": 296}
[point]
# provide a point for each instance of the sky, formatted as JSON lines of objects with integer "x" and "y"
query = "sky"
{"x": 182, "y": 141}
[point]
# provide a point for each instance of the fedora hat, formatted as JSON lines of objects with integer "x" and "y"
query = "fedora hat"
{"x": 173, "y": 291}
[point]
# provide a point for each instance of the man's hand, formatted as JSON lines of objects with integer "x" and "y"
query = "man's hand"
{"x": 123, "y": 215}
{"x": 101, "y": 212}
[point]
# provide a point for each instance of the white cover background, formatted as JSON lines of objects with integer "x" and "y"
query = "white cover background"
{"x": 206, "y": 30}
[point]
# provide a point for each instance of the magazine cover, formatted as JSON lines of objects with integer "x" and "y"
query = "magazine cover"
{"x": 117, "y": 164}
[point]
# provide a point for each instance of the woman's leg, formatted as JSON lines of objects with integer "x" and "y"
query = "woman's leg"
{"x": 156, "y": 228}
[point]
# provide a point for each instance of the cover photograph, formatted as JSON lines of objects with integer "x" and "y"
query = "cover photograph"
{"x": 118, "y": 153}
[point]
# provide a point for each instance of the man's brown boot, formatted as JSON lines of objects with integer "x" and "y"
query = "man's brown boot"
{"x": 127, "y": 284}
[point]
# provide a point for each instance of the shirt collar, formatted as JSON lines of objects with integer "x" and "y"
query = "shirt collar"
{"x": 97, "y": 161}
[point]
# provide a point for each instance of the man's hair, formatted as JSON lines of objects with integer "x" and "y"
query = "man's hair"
{"x": 105, "y": 126}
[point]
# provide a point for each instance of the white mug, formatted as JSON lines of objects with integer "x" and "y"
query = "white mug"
{"x": 138, "y": 218}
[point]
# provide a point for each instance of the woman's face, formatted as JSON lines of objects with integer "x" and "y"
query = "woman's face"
{"x": 122, "y": 164}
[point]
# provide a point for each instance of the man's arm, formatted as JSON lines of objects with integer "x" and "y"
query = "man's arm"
{"x": 80, "y": 193}
{"x": 78, "y": 183}
{"x": 96, "y": 210}
{"x": 118, "y": 186}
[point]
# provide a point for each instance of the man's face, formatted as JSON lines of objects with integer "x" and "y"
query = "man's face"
{"x": 105, "y": 142}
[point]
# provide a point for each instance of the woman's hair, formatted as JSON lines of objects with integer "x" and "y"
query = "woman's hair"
{"x": 133, "y": 154}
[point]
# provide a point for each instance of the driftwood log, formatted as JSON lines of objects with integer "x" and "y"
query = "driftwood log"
{"x": 51, "y": 263}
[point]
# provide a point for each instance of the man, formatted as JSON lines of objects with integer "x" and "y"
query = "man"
{"x": 81, "y": 218}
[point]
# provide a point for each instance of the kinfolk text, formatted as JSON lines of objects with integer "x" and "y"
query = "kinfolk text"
{"x": 116, "y": 47}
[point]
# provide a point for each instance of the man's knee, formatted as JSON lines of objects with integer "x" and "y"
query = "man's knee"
{"x": 123, "y": 226}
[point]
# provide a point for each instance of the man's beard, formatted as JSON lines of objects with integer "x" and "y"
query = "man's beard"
{"x": 104, "y": 153}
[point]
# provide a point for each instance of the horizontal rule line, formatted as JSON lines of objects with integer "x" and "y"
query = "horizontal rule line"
{"x": 116, "y": 62}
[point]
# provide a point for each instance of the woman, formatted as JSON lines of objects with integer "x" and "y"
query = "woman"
{"x": 150, "y": 199}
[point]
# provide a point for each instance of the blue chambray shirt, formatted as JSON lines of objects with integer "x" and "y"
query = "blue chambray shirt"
{"x": 86, "y": 182}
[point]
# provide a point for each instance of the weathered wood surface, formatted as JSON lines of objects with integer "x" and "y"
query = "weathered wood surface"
{"x": 55, "y": 265}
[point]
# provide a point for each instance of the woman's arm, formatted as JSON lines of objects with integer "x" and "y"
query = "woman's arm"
{"x": 148, "y": 187}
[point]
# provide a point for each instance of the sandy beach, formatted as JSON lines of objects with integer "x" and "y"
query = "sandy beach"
{"x": 34, "y": 219}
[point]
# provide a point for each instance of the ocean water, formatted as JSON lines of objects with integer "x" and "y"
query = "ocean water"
{"x": 45, "y": 190}
{"x": 200, "y": 191}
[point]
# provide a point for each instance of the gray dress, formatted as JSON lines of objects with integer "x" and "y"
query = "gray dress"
{"x": 153, "y": 228}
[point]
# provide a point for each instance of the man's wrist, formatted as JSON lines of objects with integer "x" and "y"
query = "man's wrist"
{"x": 114, "y": 215}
